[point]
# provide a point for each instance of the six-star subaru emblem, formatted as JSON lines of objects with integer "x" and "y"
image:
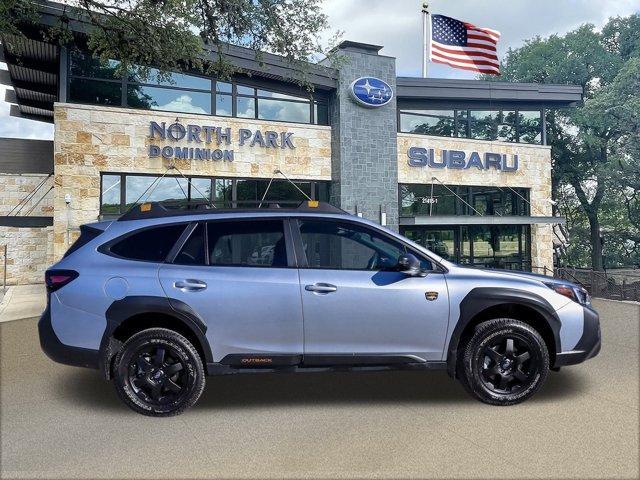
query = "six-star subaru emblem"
{"x": 371, "y": 92}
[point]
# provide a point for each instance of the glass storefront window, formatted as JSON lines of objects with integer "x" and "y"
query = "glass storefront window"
{"x": 157, "y": 98}
{"x": 224, "y": 192}
{"x": 92, "y": 81}
{"x": 428, "y": 122}
{"x": 495, "y": 246}
{"x": 321, "y": 113}
{"x": 283, "y": 111}
{"x": 110, "y": 194}
{"x": 84, "y": 64}
{"x": 180, "y": 80}
{"x": 246, "y": 107}
{"x": 530, "y": 127}
{"x": 224, "y": 105}
{"x": 95, "y": 92}
{"x": 141, "y": 188}
{"x": 453, "y": 199}
{"x": 503, "y": 125}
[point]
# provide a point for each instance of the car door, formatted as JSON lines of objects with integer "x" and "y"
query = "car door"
{"x": 357, "y": 307}
{"x": 240, "y": 277}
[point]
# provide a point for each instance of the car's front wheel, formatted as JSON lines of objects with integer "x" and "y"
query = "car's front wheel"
{"x": 158, "y": 372}
{"x": 505, "y": 362}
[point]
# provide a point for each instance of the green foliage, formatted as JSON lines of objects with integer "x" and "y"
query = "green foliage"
{"x": 172, "y": 35}
{"x": 596, "y": 147}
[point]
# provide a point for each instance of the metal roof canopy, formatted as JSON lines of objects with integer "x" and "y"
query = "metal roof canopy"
{"x": 468, "y": 93}
{"x": 479, "y": 220}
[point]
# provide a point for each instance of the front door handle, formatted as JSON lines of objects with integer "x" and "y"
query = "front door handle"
{"x": 190, "y": 285}
{"x": 321, "y": 288}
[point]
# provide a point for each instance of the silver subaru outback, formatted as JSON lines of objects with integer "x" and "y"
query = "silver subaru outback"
{"x": 160, "y": 298}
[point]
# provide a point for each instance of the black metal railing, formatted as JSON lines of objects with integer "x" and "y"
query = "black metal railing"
{"x": 612, "y": 284}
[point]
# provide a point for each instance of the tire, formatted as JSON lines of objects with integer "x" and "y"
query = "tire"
{"x": 505, "y": 362}
{"x": 159, "y": 373}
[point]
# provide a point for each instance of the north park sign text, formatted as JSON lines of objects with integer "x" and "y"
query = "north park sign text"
{"x": 206, "y": 135}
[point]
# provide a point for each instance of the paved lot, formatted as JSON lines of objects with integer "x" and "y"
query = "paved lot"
{"x": 63, "y": 422}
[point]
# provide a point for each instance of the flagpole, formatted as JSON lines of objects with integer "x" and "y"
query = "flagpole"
{"x": 426, "y": 37}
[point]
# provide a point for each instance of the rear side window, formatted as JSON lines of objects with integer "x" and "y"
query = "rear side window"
{"x": 250, "y": 244}
{"x": 151, "y": 244}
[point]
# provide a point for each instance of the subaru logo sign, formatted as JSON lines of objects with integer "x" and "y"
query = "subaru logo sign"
{"x": 371, "y": 92}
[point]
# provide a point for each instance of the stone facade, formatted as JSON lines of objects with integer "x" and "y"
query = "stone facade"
{"x": 29, "y": 250}
{"x": 364, "y": 142}
{"x": 534, "y": 173}
{"x": 92, "y": 139}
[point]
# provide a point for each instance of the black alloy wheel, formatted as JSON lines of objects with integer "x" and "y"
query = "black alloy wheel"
{"x": 159, "y": 373}
{"x": 505, "y": 362}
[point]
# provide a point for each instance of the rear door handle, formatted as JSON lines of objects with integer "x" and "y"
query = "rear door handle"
{"x": 190, "y": 285}
{"x": 321, "y": 288}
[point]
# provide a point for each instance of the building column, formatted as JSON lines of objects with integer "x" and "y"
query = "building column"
{"x": 364, "y": 140}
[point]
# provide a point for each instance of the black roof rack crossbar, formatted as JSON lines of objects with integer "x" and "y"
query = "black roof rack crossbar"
{"x": 149, "y": 210}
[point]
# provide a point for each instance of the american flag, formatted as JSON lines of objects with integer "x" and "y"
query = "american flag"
{"x": 463, "y": 45}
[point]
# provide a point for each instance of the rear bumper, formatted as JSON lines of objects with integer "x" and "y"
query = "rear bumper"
{"x": 61, "y": 353}
{"x": 589, "y": 344}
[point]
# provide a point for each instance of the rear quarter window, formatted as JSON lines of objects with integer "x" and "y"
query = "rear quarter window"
{"x": 150, "y": 244}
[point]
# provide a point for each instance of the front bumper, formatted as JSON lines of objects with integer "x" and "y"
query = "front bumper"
{"x": 589, "y": 344}
{"x": 61, "y": 353}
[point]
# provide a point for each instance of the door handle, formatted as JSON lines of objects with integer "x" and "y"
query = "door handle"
{"x": 321, "y": 288}
{"x": 190, "y": 285}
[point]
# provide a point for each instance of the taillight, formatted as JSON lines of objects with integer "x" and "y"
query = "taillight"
{"x": 56, "y": 279}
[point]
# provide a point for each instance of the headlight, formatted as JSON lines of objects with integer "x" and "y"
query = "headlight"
{"x": 574, "y": 292}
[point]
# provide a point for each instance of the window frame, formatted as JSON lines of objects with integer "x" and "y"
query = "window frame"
{"x": 301, "y": 254}
{"x": 125, "y": 82}
{"x": 233, "y": 201}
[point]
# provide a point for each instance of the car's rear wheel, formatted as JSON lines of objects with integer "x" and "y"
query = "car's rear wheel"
{"x": 158, "y": 372}
{"x": 505, "y": 362}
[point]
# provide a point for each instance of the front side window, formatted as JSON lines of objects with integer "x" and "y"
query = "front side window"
{"x": 345, "y": 246}
{"x": 247, "y": 244}
{"x": 150, "y": 245}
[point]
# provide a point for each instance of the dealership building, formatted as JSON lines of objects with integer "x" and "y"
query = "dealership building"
{"x": 460, "y": 166}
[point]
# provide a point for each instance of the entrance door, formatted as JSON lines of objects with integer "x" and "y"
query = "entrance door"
{"x": 244, "y": 286}
{"x": 357, "y": 308}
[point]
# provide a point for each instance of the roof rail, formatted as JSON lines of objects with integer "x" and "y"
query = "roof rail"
{"x": 172, "y": 209}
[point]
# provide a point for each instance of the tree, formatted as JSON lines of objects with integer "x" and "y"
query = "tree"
{"x": 592, "y": 145}
{"x": 172, "y": 35}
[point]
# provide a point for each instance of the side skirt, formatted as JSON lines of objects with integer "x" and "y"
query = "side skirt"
{"x": 238, "y": 364}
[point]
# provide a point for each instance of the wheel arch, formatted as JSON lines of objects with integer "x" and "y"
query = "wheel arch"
{"x": 486, "y": 303}
{"x": 131, "y": 315}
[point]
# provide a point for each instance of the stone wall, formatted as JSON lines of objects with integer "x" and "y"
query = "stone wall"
{"x": 15, "y": 188}
{"x": 92, "y": 139}
{"x": 29, "y": 250}
{"x": 534, "y": 173}
{"x": 29, "y": 253}
{"x": 364, "y": 142}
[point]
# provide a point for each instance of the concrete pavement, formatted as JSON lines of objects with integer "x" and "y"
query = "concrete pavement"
{"x": 23, "y": 301}
{"x": 64, "y": 422}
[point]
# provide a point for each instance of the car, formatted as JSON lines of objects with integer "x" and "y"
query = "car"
{"x": 158, "y": 299}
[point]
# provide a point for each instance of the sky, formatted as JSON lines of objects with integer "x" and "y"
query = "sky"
{"x": 397, "y": 25}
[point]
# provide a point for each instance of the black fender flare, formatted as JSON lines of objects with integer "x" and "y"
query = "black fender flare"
{"x": 481, "y": 298}
{"x": 127, "y": 307}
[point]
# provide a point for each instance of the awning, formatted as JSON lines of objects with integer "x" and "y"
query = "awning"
{"x": 480, "y": 220}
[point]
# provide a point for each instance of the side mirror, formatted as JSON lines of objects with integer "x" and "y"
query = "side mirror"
{"x": 410, "y": 265}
